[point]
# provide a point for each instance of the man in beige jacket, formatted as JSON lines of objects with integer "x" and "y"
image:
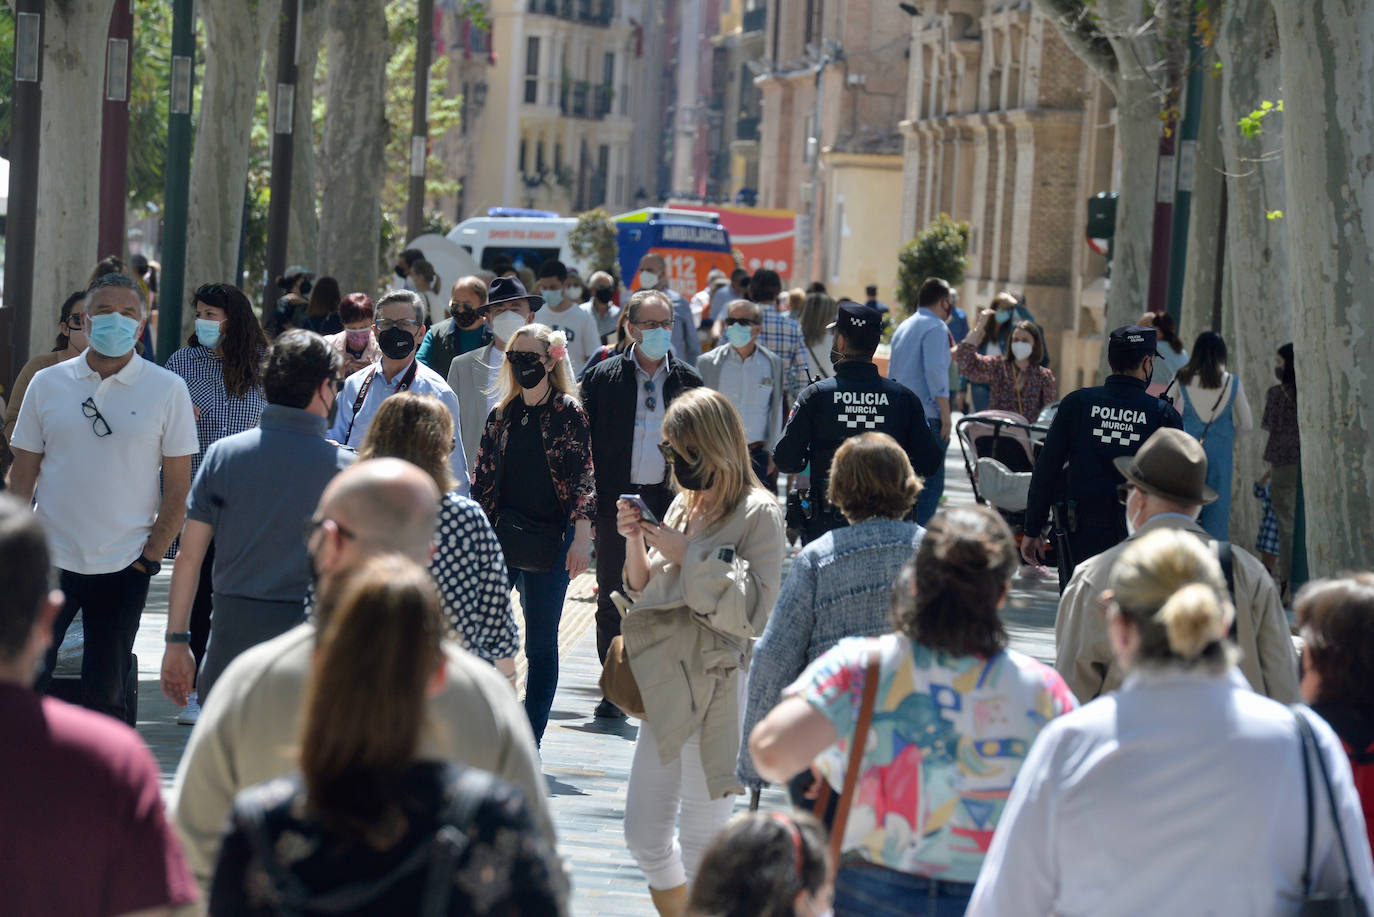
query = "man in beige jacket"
{"x": 1165, "y": 488}
{"x": 249, "y": 729}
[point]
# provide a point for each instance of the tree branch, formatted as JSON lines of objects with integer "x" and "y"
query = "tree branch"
{"x": 1074, "y": 21}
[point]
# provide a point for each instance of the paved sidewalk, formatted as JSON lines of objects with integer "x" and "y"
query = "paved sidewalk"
{"x": 586, "y": 761}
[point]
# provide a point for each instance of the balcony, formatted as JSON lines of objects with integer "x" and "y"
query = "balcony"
{"x": 747, "y": 129}
{"x": 754, "y": 19}
{"x": 591, "y": 12}
{"x": 582, "y": 99}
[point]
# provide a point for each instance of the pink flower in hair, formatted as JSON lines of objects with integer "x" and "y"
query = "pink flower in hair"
{"x": 558, "y": 345}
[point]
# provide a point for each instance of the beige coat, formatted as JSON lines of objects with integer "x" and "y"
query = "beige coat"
{"x": 689, "y": 633}
{"x": 1083, "y": 653}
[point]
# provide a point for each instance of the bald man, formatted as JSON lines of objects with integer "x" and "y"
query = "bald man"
{"x": 249, "y": 728}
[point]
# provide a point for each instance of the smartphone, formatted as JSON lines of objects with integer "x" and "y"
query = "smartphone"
{"x": 645, "y": 514}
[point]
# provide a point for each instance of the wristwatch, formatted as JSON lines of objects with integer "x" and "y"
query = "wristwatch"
{"x": 152, "y": 566}
{"x": 178, "y": 638}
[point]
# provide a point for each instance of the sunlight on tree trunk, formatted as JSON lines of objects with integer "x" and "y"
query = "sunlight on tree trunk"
{"x": 303, "y": 233}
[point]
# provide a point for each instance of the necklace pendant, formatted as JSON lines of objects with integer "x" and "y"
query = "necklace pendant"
{"x": 524, "y": 420}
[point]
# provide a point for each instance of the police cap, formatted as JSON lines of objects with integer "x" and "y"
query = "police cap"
{"x": 861, "y": 325}
{"x": 1131, "y": 342}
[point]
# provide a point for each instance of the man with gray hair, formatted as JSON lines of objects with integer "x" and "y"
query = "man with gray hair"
{"x": 399, "y": 328}
{"x": 105, "y": 441}
{"x": 248, "y": 729}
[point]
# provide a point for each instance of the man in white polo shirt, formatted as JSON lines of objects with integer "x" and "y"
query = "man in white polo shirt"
{"x": 92, "y": 436}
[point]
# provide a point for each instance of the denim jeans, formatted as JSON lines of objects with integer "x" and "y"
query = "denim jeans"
{"x": 866, "y": 890}
{"x": 541, "y": 598}
{"x": 929, "y": 501}
{"x": 111, "y": 605}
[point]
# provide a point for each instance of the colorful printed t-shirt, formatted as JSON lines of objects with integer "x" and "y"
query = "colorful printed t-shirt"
{"x": 947, "y": 738}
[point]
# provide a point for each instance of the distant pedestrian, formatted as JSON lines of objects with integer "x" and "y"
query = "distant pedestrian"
{"x": 294, "y": 286}
{"x": 954, "y": 714}
{"x": 738, "y": 288}
{"x": 602, "y": 307}
{"x": 765, "y": 864}
{"x": 751, "y": 377}
{"x": 1216, "y": 413}
{"x": 243, "y": 521}
{"x": 995, "y": 339}
{"x": 424, "y": 281}
{"x": 702, "y": 582}
{"x": 653, "y": 275}
{"x": 1336, "y": 622}
{"x": 468, "y": 567}
{"x": 1172, "y": 354}
{"x": 840, "y": 585}
{"x": 82, "y": 829}
{"x": 222, "y": 366}
{"x": 322, "y": 312}
{"x": 250, "y": 730}
{"x": 781, "y": 333}
{"x": 921, "y": 356}
{"x": 72, "y": 340}
{"x": 464, "y": 329}
{"x": 399, "y": 327}
{"x": 816, "y": 315}
{"x": 562, "y": 313}
{"x": 535, "y": 480}
{"x": 356, "y": 344}
{"x": 1283, "y": 452}
{"x": 1184, "y": 792}
{"x": 106, "y": 442}
{"x": 872, "y": 301}
{"x": 1017, "y": 381}
{"x": 372, "y": 821}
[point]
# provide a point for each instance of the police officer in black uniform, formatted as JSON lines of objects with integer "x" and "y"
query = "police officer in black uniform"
{"x": 1075, "y": 473}
{"x": 855, "y": 400}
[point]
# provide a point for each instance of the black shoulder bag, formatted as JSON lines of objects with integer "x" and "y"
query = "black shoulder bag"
{"x": 1346, "y": 903}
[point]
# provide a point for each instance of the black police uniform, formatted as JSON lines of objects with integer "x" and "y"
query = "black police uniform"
{"x": 1075, "y": 470}
{"x": 855, "y": 400}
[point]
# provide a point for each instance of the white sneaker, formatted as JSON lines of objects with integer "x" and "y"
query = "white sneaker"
{"x": 191, "y": 712}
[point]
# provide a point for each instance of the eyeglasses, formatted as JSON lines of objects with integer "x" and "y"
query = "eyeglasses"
{"x": 740, "y": 321}
{"x": 650, "y": 402}
{"x": 672, "y": 456}
{"x": 405, "y": 324}
{"x": 651, "y": 326}
{"x": 100, "y": 426}
{"x": 74, "y": 321}
{"x": 313, "y": 523}
{"x": 1123, "y": 492}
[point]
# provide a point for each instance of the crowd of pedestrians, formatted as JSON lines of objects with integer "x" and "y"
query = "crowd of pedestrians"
{"x": 356, "y": 503}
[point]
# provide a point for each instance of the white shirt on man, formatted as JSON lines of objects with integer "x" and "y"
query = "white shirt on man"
{"x": 646, "y": 462}
{"x": 748, "y": 383}
{"x": 581, "y": 328}
{"x": 98, "y": 495}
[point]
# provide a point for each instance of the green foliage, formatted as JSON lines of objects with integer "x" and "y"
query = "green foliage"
{"x": 595, "y": 241}
{"x": 1252, "y": 125}
{"x": 152, "y": 74}
{"x": 1273, "y": 215}
{"x": 6, "y": 75}
{"x": 940, "y": 250}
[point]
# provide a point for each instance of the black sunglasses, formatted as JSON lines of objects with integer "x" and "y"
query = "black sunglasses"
{"x": 1123, "y": 492}
{"x": 740, "y": 321}
{"x": 672, "y": 456}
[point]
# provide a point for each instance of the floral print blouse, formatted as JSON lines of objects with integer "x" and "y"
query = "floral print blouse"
{"x": 1025, "y": 392}
{"x": 567, "y": 448}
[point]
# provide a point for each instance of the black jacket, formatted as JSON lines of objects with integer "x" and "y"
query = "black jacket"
{"x": 855, "y": 400}
{"x": 609, "y": 391}
{"x": 1093, "y": 427}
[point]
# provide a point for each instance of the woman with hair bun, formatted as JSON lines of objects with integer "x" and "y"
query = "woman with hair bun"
{"x": 954, "y": 715}
{"x": 1183, "y": 792}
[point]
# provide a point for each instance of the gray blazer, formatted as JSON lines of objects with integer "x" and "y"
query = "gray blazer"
{"x": 709, "y": 367}
{"x": 467, "y": 376}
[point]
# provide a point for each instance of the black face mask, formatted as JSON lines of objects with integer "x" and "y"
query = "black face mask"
{"x": 529, "y": 371}
{"x": 1278, "y": 374}
{"x": 400, "y": 272}
{"x": 690, "y": 476}
{"x": 466, "y": 318}
{"x": 396, "y": 343}
{"x": 604, "y": 294}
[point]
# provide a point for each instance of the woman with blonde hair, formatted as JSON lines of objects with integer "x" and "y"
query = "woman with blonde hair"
{"x": 702, "y": 582}
{"x": 1184, "y": 792}
{"x": 815, "y": 315}
{"x": 468, "y": 567}
{"x": 370, "y": 826}
{"x": 534, "y": 480}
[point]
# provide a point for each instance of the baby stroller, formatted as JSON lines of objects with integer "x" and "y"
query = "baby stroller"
{"x": 999, "y": 449}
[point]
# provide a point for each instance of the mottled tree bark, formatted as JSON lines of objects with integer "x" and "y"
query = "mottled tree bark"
{"x": 235, "y": 34}
{"x": 69, "y": 149}
{"x": 352, "y": 163}
{"x": 1328, "y": 150}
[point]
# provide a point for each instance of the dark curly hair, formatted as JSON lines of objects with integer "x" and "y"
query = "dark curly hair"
{"x": 963, "y": 566}
{"x": 758, "y": 865}
{"x": 244, "y": 343}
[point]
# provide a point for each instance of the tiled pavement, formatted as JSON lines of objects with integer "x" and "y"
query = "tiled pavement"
{"x": 586, "y": 761}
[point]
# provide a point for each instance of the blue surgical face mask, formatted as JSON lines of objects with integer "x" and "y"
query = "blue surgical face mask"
{"x": 208, "y": 332}
{"x": 655, "y": 342}
{"x": 112, "y": 334}
{"x": 553, "y": 297}
{"x": 1003, "y": 316}
{"x": 738, "y": 335}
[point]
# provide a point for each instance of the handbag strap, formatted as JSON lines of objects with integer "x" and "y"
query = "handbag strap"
{"x": 1226, "y": 382}
{"x": 856, "y": 751}
{"x": 1309, "y": 739}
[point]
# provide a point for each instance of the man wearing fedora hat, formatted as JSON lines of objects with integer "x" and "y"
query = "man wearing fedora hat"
{"x": 1075, "y": 471}
{"x": 472, "y": 375}
{"x": 1165, "y": 488}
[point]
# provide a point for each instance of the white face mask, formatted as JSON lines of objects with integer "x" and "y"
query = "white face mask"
{"x": 648, "y": 280}
{"x": 1130, "y": 521}
{"x": 1021, "y": 349}
{"x": 506, "y": 324}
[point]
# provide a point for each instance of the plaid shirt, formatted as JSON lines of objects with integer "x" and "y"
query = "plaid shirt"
{"x": 1267, "y": 541}
{"x": 218, "y": 414}
{"x": 782, "y": 335}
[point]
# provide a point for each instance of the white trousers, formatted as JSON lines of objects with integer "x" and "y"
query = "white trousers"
{"x": 662, "y": 797}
